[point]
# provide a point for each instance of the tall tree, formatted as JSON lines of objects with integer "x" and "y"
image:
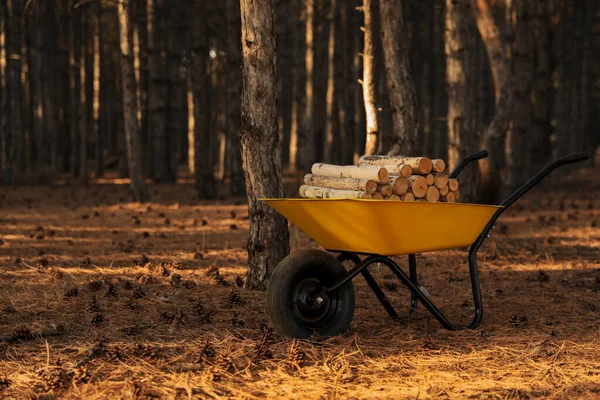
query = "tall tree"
{"x": 132, "y": 133}
{"x": 268, "y": 241}
{"x": 331, "y": 91}
{"x": 234, "y": 87}
{"x": 371, "y": 29}
{"x": 201, "y": 160}
{"x": 401, "y": 89}
{"x": 306, "y": 135}
{"x": 462, "y": 136}
{"x": 495, "y": 134}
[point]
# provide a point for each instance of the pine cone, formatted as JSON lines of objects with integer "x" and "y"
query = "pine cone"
{"x": 233, "y": 298}
{"x": 97, "y": 319}
{"x": 167, "y": 317}
{"x": 138, "y": 293}
{"x": 4, "y": 382}
{"x": 202, "y": 313}
{"x": 390, "y": 286}
{"x": 111, "y": 291}
{"x": 54, "y": 378}
{"x": 71, "y": 293}
{"x": 95, "y": 285}
{"x": 94, "y": 306}
{"x": 175, "y": 280}
{"x": 295, "y": 355}
{"x": 239, "y": 282}
{"x": 127, "y": 284}
{"x": 207, "y": 352}
{"x": 22, "y": 333}
{"x": 81, "y": 375}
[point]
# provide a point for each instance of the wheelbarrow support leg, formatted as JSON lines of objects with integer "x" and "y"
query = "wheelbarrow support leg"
{"x": 372, "y": 283}
{"x": 412, "y": 270}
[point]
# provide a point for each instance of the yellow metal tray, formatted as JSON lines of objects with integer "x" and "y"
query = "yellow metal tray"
{"x": 385, "y": 227}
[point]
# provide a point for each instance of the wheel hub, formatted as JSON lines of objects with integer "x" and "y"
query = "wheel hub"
{"x": 311, "y": 303}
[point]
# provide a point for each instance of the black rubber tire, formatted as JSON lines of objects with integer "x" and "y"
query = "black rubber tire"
{"x": 313, "y": 265}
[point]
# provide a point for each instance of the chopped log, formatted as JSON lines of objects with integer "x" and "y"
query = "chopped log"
{"x": 418, "y": 185}
{"x": 453, "y": 185}
{"x": 403, "y": 170}
{"x": 366, "y": 185}
{"x": 449, "y": 198}
{"x": 444, "y": 190}
{"x": 315, "y": 192}
{"x": 457, "y": 194}
{"x": 438, "y": 165}
{"x": 441, "y": 180}
{"x": 408, "y": 197}
{"x": 433, "y": 194}
{"x": 394, "y": 197}
{"x": 430, "y": 179}
{"x": 376, "y": 173}
{"x": 419, "y": 165}
{"x": 399, "y": 184}
{"x": 386, "y": 190}
{"x": 377, "y": 196}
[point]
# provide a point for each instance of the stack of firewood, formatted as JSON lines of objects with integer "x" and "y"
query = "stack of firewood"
{"x": 382, "y": 177}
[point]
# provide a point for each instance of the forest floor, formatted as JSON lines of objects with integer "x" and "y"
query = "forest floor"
{"x": 102, "y": 298}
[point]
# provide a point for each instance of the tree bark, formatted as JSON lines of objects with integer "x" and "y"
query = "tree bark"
{"x": 462, "y": 136}
{"x": 401, "y": 89}
{"x": 84, "y": 132}
{"x": 495, "y": 134}
{"x": 371, "y": 27}
{"x": 523, "y": 73}
{"x": 132, "y": 133}
{"x": 268, "y": 241}
{"x": 331, "y": 100}
{"x": 157, "y": 90}
{"x": 201, "y": 136}
{"x": 306, "y": 135}
{"x": 234, "y": 85}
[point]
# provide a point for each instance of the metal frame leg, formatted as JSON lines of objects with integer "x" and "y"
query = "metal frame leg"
{"x": 412, "y": 270}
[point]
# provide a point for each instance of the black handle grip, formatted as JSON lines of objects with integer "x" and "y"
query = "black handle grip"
{"x": 570, "y": 159}
{"x": 468, "y": 159}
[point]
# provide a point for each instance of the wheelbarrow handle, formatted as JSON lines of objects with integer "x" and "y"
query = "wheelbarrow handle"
{"x": 570, "y": 159}
{"x": 469, "y": 159}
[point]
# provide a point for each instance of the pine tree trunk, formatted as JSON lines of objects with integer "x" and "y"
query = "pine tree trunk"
{"x": 201, "y": 136}
{"x": 306, "y": 136}
{"x": 234, "y": 85}
{"x": 268, "y": 241}
{"x": 495, "y": 134}
{"x": 298, "y": 80}
{"x": 134, "y": 147}
{"x": 371, "y": 29}
{"x": 84, "y": 96}
{"x": 331, "y": 92}
{"x": 401, "y": 89}
{"x": 157, "y": 91}
{"x": 13, "y": 89}
{"x": 523, "y": 72}
{"x": 141, "y": 33}
{"x": 95, "y": 11}
{"x": 75, "y": 88}
{"x": 3, "y": 17}
{"x": 346, "y": 83}
{"x": 438, "y": 86}
{"x": 462, "y": 136}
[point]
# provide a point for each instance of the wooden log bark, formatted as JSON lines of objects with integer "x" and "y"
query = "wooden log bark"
{"x": 433, "y": 194}
{"x": 430, "y": 179}
{"x": 418, "y": 186}
{"x": 315, "y": 192}
{"x": 399, "y": 184}
{"x": 438, "y": 165}
{"x": 378, "y": 174}
{"x": 394, "y": 169}
{"x": 408, "y": 197}
{"x": 366, "y": 185}
{"x": 441, "y": 180}
{"x": 386, "y": 190}
{"x": 449, "y": 198}
{"x": 444, "y": 190}
{"x": 420, "y": 165}
{"x": 453, "y": 184}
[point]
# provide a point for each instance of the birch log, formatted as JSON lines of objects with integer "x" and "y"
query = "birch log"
{"x": 315, "y": 192}
{"x": 453, "y": 185}
{"x": 377, "y": 196}
{"x": 430, "y": 179}
{"x": 419, "y": 165}
{"x": 399, "y": 184}
{"x": 394, "y": 197}
{"x": 438, "y": 165}
{"x": 444, "y": 190}
{"x": 365, "y": 185}
{"x": 403, "y": 170}
{"x": 378, "y": 174}
{"x": 408, "y": 197}
{"x": 433, "y": 194}
{"x": 449, "y": 198}
{"x": 418, "y": 186}
{"x": 441, "y": 180}
{"x": 385, "y": 190}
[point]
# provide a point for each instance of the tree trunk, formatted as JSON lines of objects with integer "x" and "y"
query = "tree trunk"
{"x": 268, "y": 241}
{"x": 462, "y": 137}
{"x": 134, "y": 154}
{"x": 298, "y": 78}
{"x": 523, "y": 73}
{"x": 3, "y": 14}
{"x": 157, "y": 90}
{"x": 13, "y": 89}
{"x": 234, "y": 87}
{"x": 83, "y": 97}
{"x": 401, "y": 89}
{"x": 201, "y": 136}
{"x": 331, "y": 92}
{"x": 495, "y": 134}
{"x": 371, "y": 11}
{"x": 306, "y": 136}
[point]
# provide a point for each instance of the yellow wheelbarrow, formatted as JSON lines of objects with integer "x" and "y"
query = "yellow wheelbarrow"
{"x": 311, "y": 292}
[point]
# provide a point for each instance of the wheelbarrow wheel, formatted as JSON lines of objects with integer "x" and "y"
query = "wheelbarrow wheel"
{"x": 298, "y": 305}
